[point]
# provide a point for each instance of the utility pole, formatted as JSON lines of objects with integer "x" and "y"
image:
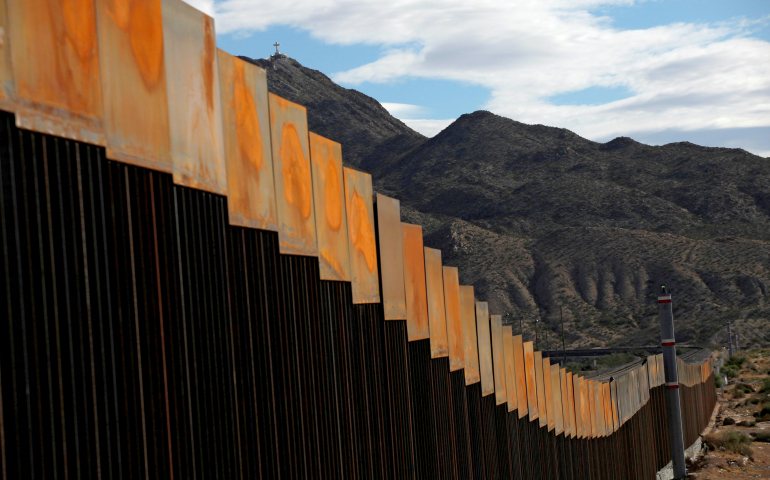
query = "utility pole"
{"x": 563, "y": 345}
{"x": 729, "y": 340}
{"x": 737, "y": 343}
{"x": 673, "y": 408}
{"x": 537, "y": 321}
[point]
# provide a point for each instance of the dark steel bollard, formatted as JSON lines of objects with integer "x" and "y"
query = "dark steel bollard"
{"x": 672, "y": 385}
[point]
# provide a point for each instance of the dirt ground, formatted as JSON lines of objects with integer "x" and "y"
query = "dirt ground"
{"x": 750, "y": 458}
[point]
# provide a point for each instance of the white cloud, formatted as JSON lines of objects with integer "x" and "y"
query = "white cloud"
{"x": 403, "y": 110}
{"x": 205, "y": 6}
{"x": 429, "y": 128}
{"x": 683, "y": 76}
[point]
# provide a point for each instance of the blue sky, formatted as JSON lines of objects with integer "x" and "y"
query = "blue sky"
{"x": 655, "y": 70}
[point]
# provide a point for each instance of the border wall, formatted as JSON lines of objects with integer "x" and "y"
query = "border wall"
{"x": 195, "y": 287}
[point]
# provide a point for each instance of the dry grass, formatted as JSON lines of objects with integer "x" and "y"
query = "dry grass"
{"x": 735, "y": 442}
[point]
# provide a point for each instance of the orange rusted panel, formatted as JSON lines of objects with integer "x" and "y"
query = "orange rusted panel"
{"x": 614, "y": 400}
{"x": 620, "y": 399}
{"x": 363, "y": 248}
{"x": 606, "y": 413}
{"x": 585, "y": 408}
{"x": 651, "y": 370}
{"x": 521, "y": 377}
{"x": 577, "y": 406}
{"x": 454, "y": 321}
{"x": 434, "y": 279}
{"x": 572, "y": 405}
{"x": 498, "y": 358}
{"x": 548, "y": 387}
{"x": 529, "y": 372}
{"x": 556, "y": 413}
{"x": 591, "y": 408}
{"x": 194, "y": 101}
{"x": 249, "y": 161}
{"x": 608, "y": 422}
{"x": 331, "y": 213}
{"x": 292, "y": 178}
{"x": 566, "y": 418}
{"x": 133, "y": 72}
{"x": 7, "y": 86}
{"x": 510, "y": 371}
{"x": 485, "y": 349}
{"x": 391, "y": 257}
{"x": 540, "y": 389}
{"x": 55, "y": 58}
{"x": 414, "y": 283}
{"x": 468, "y": 311}
{"x": 599, "y": 409}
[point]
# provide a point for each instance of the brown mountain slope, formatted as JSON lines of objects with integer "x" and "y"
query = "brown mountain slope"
{"x": 539, "y": 218}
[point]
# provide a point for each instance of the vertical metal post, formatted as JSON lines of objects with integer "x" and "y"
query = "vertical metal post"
{"x": 672, "y": 385}
{"x": 729, "y": 340}
{"x": 737, "y": 343}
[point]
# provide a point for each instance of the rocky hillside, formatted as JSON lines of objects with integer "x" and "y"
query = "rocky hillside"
{"x": 546, "y": 224}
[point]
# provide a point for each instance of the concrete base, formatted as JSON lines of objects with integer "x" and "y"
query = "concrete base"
{"x": 667, "y": 473}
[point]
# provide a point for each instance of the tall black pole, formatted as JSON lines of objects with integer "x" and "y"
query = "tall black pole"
{"x": 673, "y": 408}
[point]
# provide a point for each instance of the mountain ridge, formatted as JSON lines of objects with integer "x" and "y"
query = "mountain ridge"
{"x": 544, "y": 222}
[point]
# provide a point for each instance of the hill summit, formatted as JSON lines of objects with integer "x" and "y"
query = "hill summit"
{"x": 548, "y": 225}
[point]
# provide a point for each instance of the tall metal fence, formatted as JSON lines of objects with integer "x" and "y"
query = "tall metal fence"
{"x": 194, "y": 287}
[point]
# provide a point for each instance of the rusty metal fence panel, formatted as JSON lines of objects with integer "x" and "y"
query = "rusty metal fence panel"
{"x": 454, "y": 323}
{"x": 470, "y": 344}
{"x": 133, "y": 82}
{"x": 361, "y": 242}
{"x": 293, "y": 182}
{"x": 249, "y": 160}
{"x": 391, "y": 247}
{"x": 434, "y": 279}
{"x": 194, "y": 102}
{"x": 55, "y": 59}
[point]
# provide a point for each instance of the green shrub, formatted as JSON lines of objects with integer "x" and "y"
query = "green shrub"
{"x": 764, "y": 412}
{"x": 718, "y": 381}
{"x": 735, "y": 442}
{"x": 765, "y": 386}
{"x": 736, "y": 361}
{"x": 731, "y": 371}
{"x": 745, "y": 388}
{"x": 574, "y": 367}
{"x": 614, "y": 360}
{"x": 738, "y": 394}
{"x": 761, "y": 436}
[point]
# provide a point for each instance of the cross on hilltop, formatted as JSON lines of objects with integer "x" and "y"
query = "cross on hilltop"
{"x": 277, "y": 54}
